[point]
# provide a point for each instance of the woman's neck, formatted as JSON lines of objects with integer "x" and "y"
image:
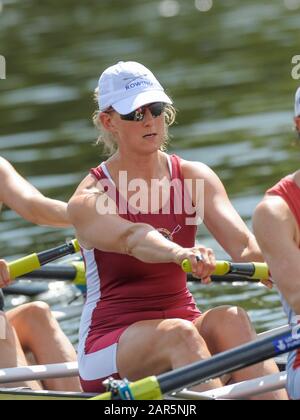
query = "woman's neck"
{"x": 148, "y": 167}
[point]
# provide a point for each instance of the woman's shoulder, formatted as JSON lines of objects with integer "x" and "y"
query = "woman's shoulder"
{"x": 272, "y": 208}
{"x": 88, "y": 185}
{"x": 198, "y": 169}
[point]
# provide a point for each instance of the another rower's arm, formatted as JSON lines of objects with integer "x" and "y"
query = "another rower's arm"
{"x": 275, "y": 230}
{"x": 27, "y": 201}
{"x": 220, "y": 217}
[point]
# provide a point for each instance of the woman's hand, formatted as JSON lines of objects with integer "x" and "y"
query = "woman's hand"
{"x": 4, "y": 274}
{"x": 202, "y": 260}
{"x": 268, "y": 283}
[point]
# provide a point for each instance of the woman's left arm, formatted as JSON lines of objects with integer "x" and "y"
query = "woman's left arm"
{"x": 22, "y": 197}
{"x": 276, "y": 230}
{"x": 220, "y": 217}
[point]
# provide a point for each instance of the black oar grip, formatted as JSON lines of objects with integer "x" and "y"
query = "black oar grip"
{"x": 53, "y": 254}
{"x": 242, "y": 269}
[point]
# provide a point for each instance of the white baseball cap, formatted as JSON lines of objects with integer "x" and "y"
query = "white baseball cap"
{"x": 127, "y": 86}
{"x": 297, "y": 103}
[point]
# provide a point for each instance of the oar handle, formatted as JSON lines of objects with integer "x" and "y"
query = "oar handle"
{"x": 254, "y": 270}
{"x": 33, "y": 262}
{"x": 23, "y": 266}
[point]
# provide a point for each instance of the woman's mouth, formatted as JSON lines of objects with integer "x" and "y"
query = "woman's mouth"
{"x": 150, "y": 136}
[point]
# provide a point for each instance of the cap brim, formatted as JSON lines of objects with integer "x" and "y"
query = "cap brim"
{"x": 148, "y": 97}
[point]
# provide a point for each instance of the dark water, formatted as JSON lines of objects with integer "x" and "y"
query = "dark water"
{"x": 228, "y": 70}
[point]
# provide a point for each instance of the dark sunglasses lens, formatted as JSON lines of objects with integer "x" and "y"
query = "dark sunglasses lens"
{"x": 129, "y": 117}
{"x": 156, "y": 109}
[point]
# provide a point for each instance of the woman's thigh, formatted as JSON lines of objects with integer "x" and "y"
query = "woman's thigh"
{"x": 147, "y": 347}
{"x": 120, "y": 353}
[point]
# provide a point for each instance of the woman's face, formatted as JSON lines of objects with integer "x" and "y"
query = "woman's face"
{"x": 143, "y": 137}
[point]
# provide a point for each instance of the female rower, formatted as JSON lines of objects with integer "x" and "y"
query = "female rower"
{"x": 136, "y": 224}
{"x": 277, "y": 228}
{"x": 31, "y": 327}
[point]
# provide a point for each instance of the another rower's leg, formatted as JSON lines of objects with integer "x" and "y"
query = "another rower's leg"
{"x": 156, "y": 346}
{"x": 40, "y": 333}
{"x": 226, "y": 327}
{"x": 11, "y": 353}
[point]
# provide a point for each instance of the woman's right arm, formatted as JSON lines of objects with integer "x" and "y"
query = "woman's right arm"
{"x": 111, "y": 233}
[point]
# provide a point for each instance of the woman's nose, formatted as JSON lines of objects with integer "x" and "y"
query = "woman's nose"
{"x": 148, "y": 117}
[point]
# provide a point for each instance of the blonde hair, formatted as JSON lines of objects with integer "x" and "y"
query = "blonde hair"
{"x": 108, "y": 141}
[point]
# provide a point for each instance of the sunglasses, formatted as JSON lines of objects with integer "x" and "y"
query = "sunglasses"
{"x": 155, "y": 108}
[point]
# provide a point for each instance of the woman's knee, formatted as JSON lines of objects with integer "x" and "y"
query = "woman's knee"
{"x": 229, "y": 315}
{"x": 31, "y": 314}
{"x": 184, "y": 344}
{"x": 237, "y": 317}
{"x": 226, "y": 325}
{"x": 181, "y": 332}
{"x": 36, "y": 310}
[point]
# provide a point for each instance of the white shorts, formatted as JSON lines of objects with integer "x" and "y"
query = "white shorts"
{"x": 293, "y": 371}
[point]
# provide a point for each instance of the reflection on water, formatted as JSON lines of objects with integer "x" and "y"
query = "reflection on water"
{"x": 226, "y": 64}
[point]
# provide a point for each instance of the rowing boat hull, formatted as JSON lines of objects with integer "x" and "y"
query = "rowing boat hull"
{"x": 13, "y": 394}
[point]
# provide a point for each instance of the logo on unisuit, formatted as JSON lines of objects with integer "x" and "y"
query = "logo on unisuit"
{"x": 160, "y": 197}
{"x": 134, "y": 83}
{"x": 2, "y": 67}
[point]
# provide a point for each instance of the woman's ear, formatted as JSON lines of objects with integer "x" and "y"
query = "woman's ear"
{"x": 106, "y": 121}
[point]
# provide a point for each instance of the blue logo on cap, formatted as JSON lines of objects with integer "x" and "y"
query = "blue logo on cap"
{"x": 134, "y": 83}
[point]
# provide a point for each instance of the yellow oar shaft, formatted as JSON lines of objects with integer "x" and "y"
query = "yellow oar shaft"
{"x": 32, "y": 262}
{"x": 253, "y": 270}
